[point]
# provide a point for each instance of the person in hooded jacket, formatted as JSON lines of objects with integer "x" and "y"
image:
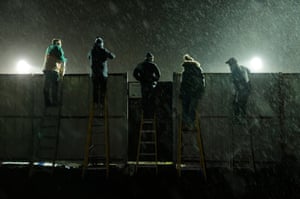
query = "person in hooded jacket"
{"x": 242, "y": 87}
{"x": 98, "y": 57}
{"x": 191, "y": 90}
{"x": 54, "y": 70}
{"x": 148, "y": 74}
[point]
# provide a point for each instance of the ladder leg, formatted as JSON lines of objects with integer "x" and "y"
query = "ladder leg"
{"x": 88, "y": 140}
{"x": 179, "y": 146}
{"x": 200, "y": 146}
{"x": 107, "y": 138}
{"x": 155, "y": 144}
{"x": 139, "y": 142}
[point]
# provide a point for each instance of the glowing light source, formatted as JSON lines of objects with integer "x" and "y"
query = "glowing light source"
{"x": 23, "y": 67}
{"x": 256, "y": 64}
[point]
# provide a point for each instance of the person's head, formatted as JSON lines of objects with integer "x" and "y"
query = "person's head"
{"x": 231, "y": 62}
{"x": 56, "y": 41}
{"x": 99, "y": 42}
{"x": 149, "y": 57}
{"x": 188, "y": 57}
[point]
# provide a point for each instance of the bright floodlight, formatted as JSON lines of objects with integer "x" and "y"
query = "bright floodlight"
{"x": 23, "y": 67}
{"x": 256, "y": 64}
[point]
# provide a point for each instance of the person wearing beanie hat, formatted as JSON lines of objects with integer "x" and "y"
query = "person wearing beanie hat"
{"x": 242, "y": 88}
{"x": 191, "y": 90}
{"x": 98, "y": 57}
{"x": 149, "y": 55}
{"x": 148, "y": 74}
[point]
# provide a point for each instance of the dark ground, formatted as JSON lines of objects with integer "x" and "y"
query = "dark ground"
{"x": 278, "y": 182}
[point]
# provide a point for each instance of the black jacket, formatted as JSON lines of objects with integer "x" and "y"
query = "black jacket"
{"x": 98, "y": 58}
{"x": 193, "y": 80}
{"x": 146, "y": 72}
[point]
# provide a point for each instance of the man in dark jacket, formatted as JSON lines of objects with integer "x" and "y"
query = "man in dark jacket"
{"x": 148, "y": 74}
{"x": 242, "y": 87}
{"x": 191, "y": 90}
{"x": 98, "y": 57}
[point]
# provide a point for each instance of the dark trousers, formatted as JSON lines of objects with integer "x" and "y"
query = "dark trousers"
{"x": 99, "y": 88}
{"x": 51, "y": 87}
{"x": 148, "y": 99}
{"x": 240, "y": 103}
{"x": 189, "y": 107}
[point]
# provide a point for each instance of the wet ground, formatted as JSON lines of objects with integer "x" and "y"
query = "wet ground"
{"x": 278, "y": 182}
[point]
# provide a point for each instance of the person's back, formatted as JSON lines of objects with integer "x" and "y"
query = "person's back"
{"x": 240, "y": 78}
{"x": 98, "y": 57}
{"x": 191, "y": 89}
{"x": 54, "y": 70}
{"x": 54, "y": 57}
{"x": 242, "y": 86}
{"x": 193, "y": 79}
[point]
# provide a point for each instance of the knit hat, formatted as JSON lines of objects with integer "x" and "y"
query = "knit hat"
{"x": 98, "y": 40}
{"x": 187, "y": 57}
{"x": 149, "y": 55}
{"x": 231, "y": 61}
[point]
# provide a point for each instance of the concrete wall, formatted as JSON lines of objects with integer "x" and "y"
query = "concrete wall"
{"x": 273, "y": 117}
{"x": 272, "y": 120}
{"x": 22, "y": 109}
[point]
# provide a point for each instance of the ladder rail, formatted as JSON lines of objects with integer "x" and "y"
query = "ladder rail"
{"x": 41, "y": 135}
{"x": 89, "y": 138}
{"x": 199, "y": 144}
{"x": 107, "y": 138}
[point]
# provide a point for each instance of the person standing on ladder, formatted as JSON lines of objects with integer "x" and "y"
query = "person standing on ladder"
{"x": 54, "y": 70}
{"x": 98, "y": 57}
{"x": 242, "y": 88}
{"x": 148, "y": 74}
{"x": 191, "y": 90}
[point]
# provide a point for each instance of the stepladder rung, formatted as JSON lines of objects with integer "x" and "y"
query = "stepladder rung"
{"x": 47, "y": 148}
{"x": 148, "y": 142}
{"x": 49, "y": 126}
{"x": 49, "y": 137}
{"x": 147, "y": 154}
{"x": 148, "y": 131}
{"x": 96, "y": 158}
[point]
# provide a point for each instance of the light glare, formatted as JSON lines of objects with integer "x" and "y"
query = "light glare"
{"x": 256, "y": 64}
{"x": 23, "y": 67}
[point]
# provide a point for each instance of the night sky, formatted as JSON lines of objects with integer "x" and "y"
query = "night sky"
{"x": 210, "y": 30}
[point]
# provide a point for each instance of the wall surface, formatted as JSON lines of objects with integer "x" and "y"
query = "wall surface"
{"x": 22, "y": 110}
{"x": 273, "y": 119}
